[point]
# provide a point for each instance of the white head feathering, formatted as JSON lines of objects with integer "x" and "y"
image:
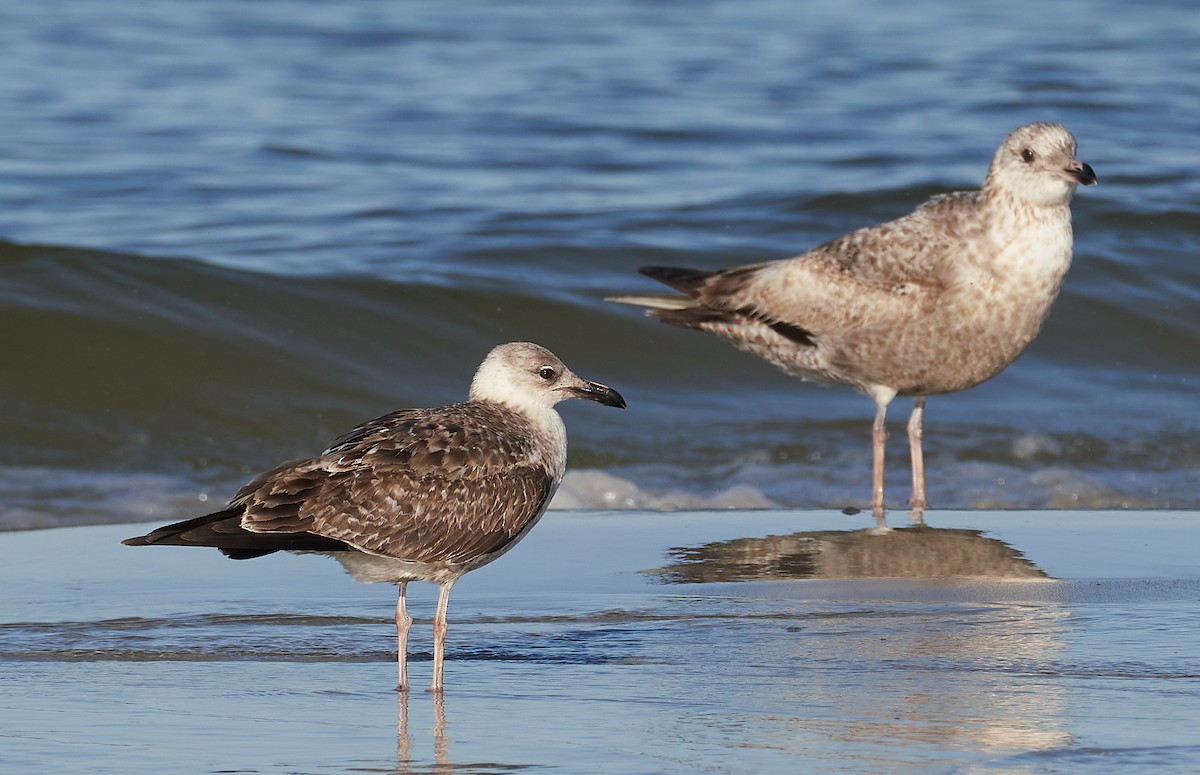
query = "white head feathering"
{"x": 531, "y": 379}
{"x": 1036, "y": 165}
{"x": 511, "y": 375}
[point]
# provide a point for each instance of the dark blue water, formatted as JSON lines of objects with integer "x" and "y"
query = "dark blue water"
{"x": 234, "y": 230}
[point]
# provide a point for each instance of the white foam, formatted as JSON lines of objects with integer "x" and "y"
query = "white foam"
{"x": 594, "y": 489}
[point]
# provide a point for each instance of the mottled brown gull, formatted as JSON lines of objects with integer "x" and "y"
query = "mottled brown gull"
{"x": 935, "y": 302}
{"x": 418, "y": 494}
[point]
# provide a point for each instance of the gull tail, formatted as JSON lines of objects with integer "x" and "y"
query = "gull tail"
{"x": 682, "y": 279}
{"x": 686, "y": 310}
{"x": 655, "y": 302}
{"x": 709, "y": 302}
{"x": 223, "y": 530}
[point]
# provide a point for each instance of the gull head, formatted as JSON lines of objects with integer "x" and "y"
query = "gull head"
{"x": 1036, "y": 165}
{"x": 530, "y": 378}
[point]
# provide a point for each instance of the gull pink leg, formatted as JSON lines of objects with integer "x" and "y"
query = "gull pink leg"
{"x": 879, "y": 435}
{"x": 439, "y": 635}
{"x": 917, "y": 455}
{"x": 403, "y": 623}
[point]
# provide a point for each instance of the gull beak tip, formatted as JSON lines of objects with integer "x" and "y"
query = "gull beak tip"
{"x": 601, "y": 394}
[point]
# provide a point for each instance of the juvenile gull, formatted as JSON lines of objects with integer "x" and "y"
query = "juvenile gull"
{"x": 935, "y": 302}
{"x": 418, "y": 494}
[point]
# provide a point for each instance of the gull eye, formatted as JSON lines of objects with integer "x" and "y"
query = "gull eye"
{"x": 546, "y": 373}
{"x": 1028, "y": 155}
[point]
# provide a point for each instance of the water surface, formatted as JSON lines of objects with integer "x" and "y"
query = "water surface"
{"x": 1061, "y": 641}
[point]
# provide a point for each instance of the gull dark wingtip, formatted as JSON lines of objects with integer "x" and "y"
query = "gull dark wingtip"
{"x": 680, "y": 278}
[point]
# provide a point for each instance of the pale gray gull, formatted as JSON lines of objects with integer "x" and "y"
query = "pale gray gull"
{"x": 418, "y": 494}
{"x": 934, "y": 302}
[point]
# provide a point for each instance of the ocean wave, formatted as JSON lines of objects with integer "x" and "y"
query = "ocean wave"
{"x": 203, "y": 374}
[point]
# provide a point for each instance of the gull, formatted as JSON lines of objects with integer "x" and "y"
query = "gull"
{"x": 934, "y": 302}
{"x": 417, "y": 494}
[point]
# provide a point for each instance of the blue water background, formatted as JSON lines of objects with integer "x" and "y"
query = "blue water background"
{"x": 233, "y": 230}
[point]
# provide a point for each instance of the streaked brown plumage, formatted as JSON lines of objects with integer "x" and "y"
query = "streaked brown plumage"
{"x": 934, "y": 302}
{"x": 420, "y": 494}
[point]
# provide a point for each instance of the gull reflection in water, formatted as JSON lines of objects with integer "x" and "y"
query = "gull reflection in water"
{"x": 973, "y": 663}
{"x": 919, "y": 551}
{"x": 441, "y": 755}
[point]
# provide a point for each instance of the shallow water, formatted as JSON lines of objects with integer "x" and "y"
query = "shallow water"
{"x": 234, "y": 230}
{"x": 1069, "y": 643}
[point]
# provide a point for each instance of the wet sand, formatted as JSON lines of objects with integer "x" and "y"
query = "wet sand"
{"x": 624, "y": 642}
